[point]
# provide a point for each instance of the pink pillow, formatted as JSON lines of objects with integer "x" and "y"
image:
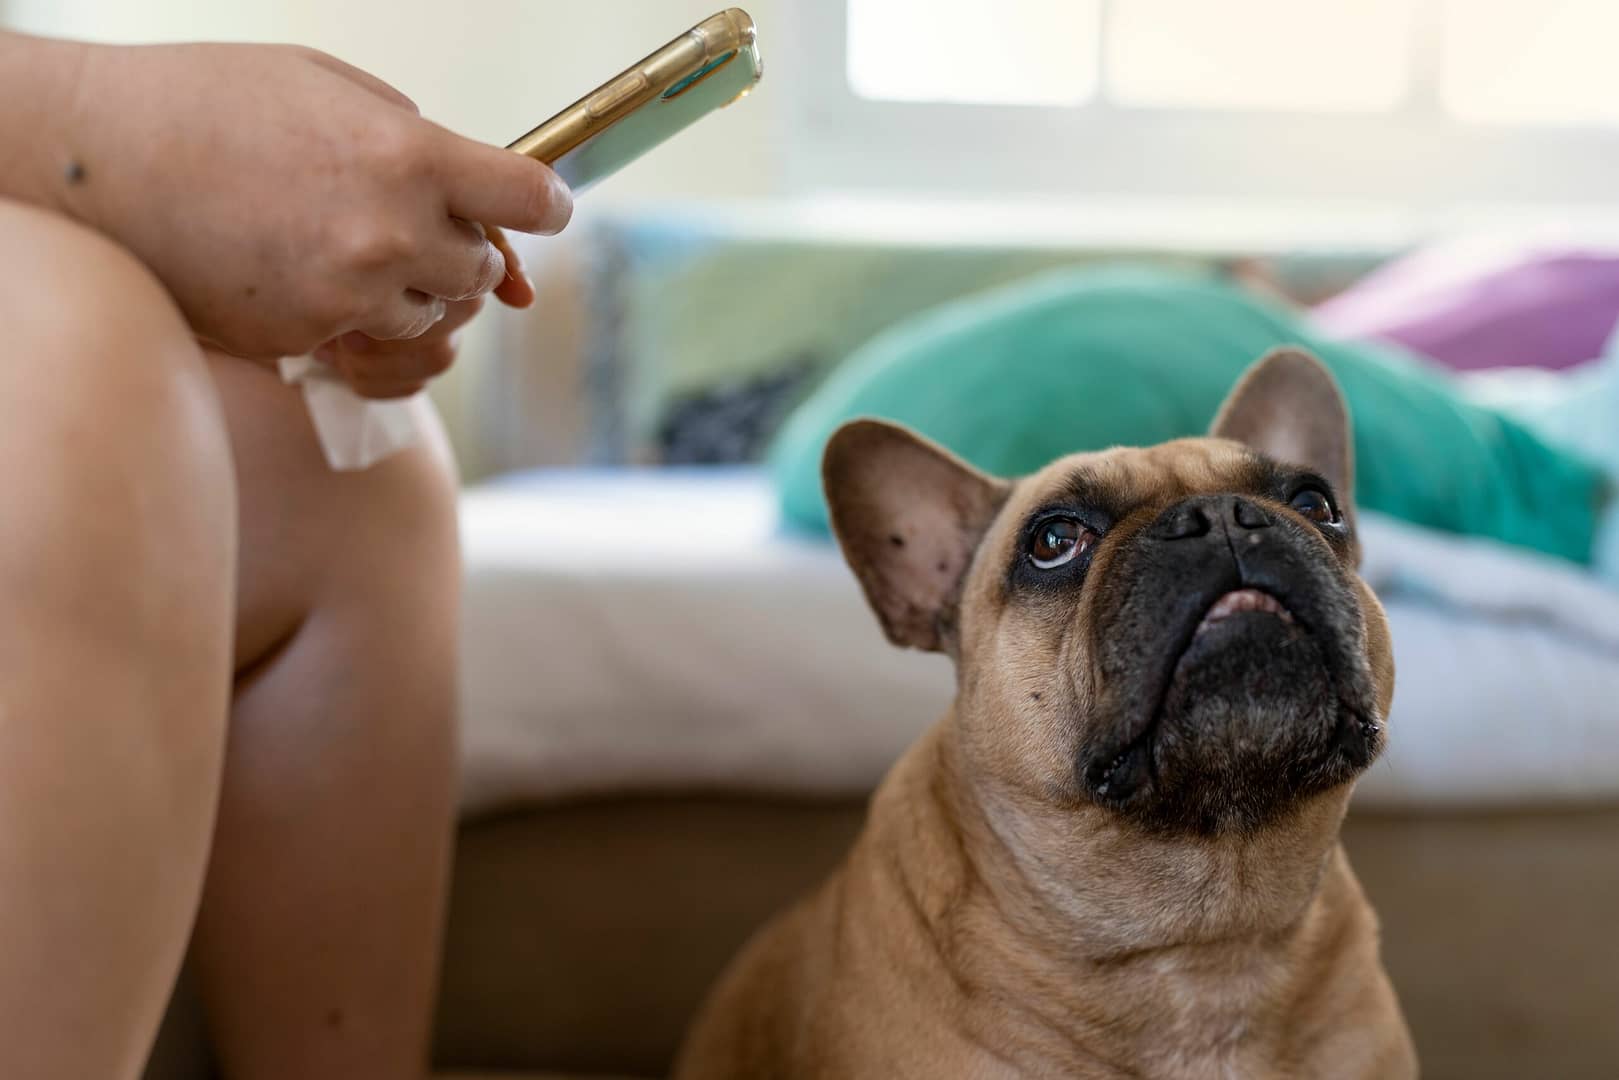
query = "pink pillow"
{"x": 1485, "y": 304}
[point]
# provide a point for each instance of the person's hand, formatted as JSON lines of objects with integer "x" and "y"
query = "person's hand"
{"x": 394, "y": 369}
{"x": 287, "y": 199}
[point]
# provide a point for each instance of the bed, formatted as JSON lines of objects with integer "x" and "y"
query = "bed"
{"x": 657, "y": 629}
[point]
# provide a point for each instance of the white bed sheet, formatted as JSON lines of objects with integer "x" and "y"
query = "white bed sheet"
{"x": 655, "y": 630}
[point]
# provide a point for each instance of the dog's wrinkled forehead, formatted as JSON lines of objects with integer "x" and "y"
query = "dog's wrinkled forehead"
{"x": 1127, "y": 480}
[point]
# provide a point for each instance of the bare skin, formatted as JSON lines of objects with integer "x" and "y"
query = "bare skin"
{"x": 227, "y": 673}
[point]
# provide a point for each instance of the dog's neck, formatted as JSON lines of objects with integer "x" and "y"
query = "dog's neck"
{"x": 1107, "y": 887}
{"x": 1084, "y": 903}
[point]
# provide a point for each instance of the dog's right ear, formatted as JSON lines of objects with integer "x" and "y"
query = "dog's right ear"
{"x": 909, "y": 515}
{"x": 1289, "y": 406}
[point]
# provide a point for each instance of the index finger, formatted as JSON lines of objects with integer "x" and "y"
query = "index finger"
{"x": 502, "y": 187}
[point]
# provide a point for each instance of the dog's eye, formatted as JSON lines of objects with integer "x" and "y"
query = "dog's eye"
{"x": 1057, "y": 541}
{"x": 1314, "y": 504}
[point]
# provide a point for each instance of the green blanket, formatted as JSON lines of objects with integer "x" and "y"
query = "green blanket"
{"x": 1082, "y": 360}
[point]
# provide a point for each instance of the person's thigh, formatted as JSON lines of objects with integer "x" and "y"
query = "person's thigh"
{"x": 317, "y": 945}
{"x": 117, "y": 557}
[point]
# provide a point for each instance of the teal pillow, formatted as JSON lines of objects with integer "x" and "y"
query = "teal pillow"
{"x": 1082, "y": 360}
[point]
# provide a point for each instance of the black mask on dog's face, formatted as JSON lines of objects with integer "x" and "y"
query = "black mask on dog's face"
{"x": 1175, "y": 634}
{"x": 1221, "y": 621}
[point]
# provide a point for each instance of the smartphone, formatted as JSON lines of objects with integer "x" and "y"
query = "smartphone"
{"x": 713, "y": 64}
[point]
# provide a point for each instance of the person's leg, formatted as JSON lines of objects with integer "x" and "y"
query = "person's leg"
{"x": 117, "y": 556}
{"x": 317, "y": 944}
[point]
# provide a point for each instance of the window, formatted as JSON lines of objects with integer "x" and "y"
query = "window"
{"x": 1349, "y": 55}
{"x": 1407, "y": 113}
{"x": 956, "y": 50}
{"x": 1531, "y": 61}
{"x": 1501, "y": 61}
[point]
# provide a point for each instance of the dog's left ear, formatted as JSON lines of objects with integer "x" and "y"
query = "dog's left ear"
{"x": 909, "y": 515}
{"x": 1288, "y": 406}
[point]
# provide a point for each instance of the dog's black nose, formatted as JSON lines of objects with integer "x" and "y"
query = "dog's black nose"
{"x": 1195, "y": 517}
{"x": 1183, "y": 521}
{"x": 1247, "y": 515}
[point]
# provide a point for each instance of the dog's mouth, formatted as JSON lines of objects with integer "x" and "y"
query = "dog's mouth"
{"x": 1245, "y": 617}
{"x": 1248, "y": 621}
{"x": 1231, "y": 613}
{"x": 1248, "y": 713}
{"x": 1240, "y": 601}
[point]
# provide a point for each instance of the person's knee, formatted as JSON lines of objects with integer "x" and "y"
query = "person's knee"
{"x": 378, "y": 544}
{"x": 88, "y": 326}
{"x": 402, "y": 530}
{"x": 67, "y": 287}
{"x": 110, "y": 423}
{"x": 416, "y": 489}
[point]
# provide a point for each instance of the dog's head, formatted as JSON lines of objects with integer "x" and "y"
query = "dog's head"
{"x": 1174, "y": 634}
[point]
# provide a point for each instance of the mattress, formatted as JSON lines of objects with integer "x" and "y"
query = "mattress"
{"x": 655, "y": 630}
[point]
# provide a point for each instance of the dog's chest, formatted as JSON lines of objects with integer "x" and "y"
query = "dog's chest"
{"x": 1231, "y": 1058}
{"x": 1206, "y": 1022}
{"x": 1173, "y": 1028}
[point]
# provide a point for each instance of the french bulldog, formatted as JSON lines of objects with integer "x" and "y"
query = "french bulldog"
{"x": 1117, "y": 854}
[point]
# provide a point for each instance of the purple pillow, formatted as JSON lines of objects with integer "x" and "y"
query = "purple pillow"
{"x": 1485, "y": 304}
